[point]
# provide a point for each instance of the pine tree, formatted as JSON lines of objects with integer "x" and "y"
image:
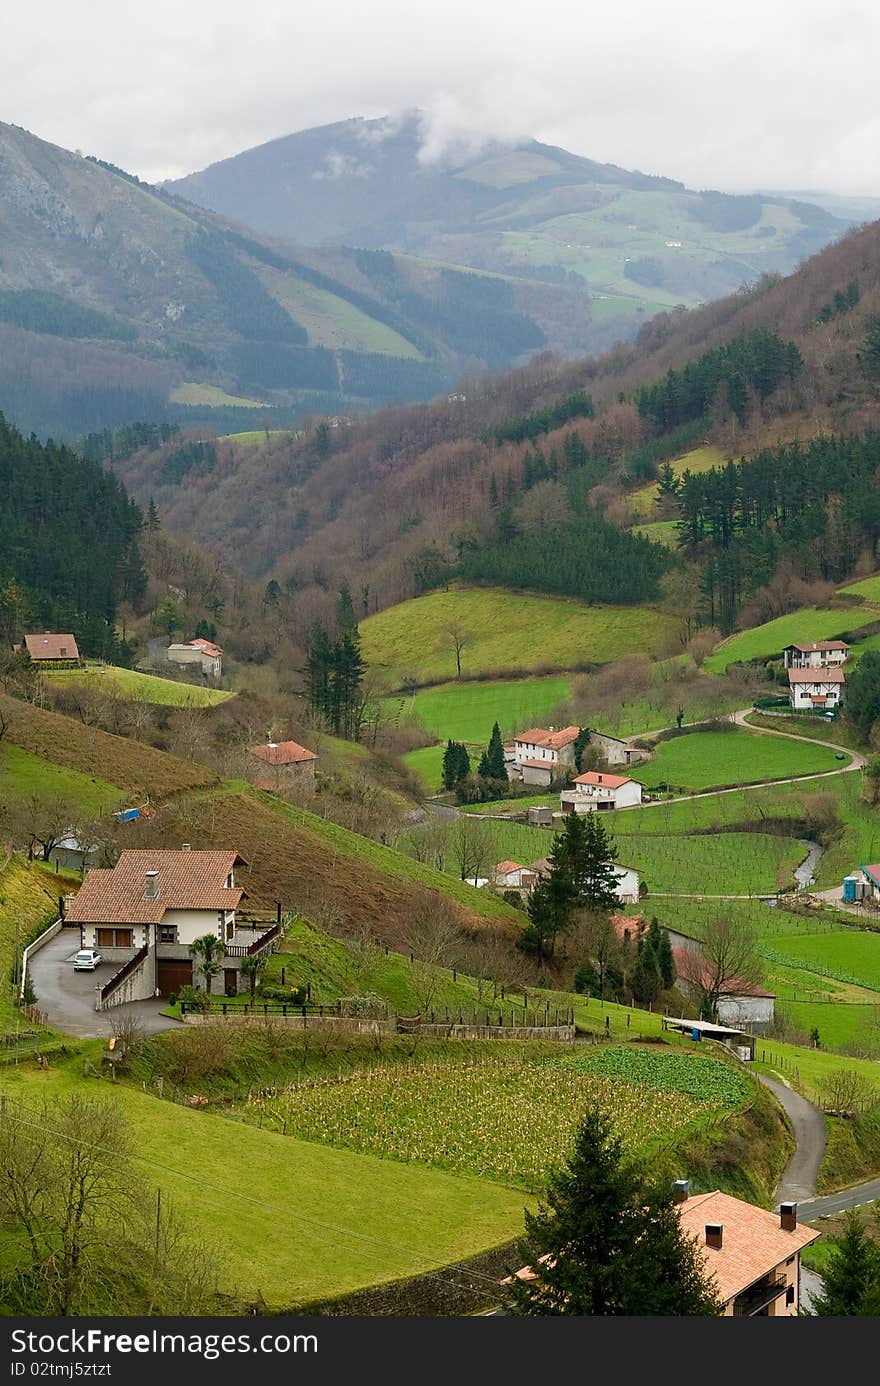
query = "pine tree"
{"x": 607, "y": 1241}
{"x": 851, "y": 1284}
{"x": 584, "y": 853}
{"x": 665, "y": 960}
{"x": 345, "y": 617}
{"x": 549, "y": 910}
{"x": 153, "y": 522}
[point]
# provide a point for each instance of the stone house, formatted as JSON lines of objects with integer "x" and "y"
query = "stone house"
{"x": 285, "y": 765}
{"x": 539, "y": 754}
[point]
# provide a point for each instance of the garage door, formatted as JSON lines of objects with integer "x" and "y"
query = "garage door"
{"x": 174, "y": 973}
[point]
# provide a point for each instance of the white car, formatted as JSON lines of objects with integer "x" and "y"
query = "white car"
{"x": 86, "y": 960}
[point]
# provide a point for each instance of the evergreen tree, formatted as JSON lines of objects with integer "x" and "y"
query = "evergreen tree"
{"x": 494, "y": 757}
{"x": 851, "y": 1283}
{"x": 584, "y": 854}
{"x": 665, "y": 960}
{"x": 607, "y": 1241}
{"x": 456, "y": 764}
{"x": 581, "y": 742}
{"x": 153, "y": 522}
{"x": 645, "y": 981}
{"x": 345, "y": 617}
{"x": 169, "y": 617}
{"x": 549, "y": 911}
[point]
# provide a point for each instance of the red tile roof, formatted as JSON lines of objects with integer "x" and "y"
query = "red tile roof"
{"x": 816, "y": 676}
{"x": 187, "y": 881}
{"x": 504, "y": 868}
{"x": 209, "y": 648}
{"x": 547, "y": 765}
{"x": 48, "y": 646}
{"x": 599, "y": 777}
{"x": 282, "y": 753}
{"x": 695, "y": 969}
{"x": 753, "y": 1242}
{"x": 552, "y": 740}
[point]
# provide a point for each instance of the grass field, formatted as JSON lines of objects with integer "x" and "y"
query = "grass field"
{"x": 22, "y": 773}
{"x": 195, "y": 392}
{"x": 705, "y": 760}
{"x": 762, "y": 642}
{"x": 467, "y": 711}
{"x": 132, "y": 685}
{"x": 511, "y": 633}
{"x": 323, "y": 1221}
{"x": 767, "y": 923}
{"x": 846, "y": 956}
{"x": 477, "y": 1117}
{"x": 660, "y": 532}
{"x": 139, "y": 770}
{"x": 427, "y": 763}
{"x": 869, "y": 588}
{"x": 642, "y": 501}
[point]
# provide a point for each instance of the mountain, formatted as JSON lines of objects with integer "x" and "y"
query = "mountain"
{"x": 121, "y": 302}
{"x": 639, "y": 243}
{"x": 506, "y": 481}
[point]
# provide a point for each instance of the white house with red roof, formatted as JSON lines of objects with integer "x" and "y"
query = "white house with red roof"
{"x": 821, "y": 654}
{"x": 740, "y": 1003}
{"x": 204, "y": 653}
{"x": 598, "y": 791}
{"x": 148, "y": 911}
{"x": 511, "y": 875}
{"x": 541, "y": 753}
{"x": 815, "y": 690}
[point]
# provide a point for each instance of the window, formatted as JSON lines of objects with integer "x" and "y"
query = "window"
{"x": 167, "y": 933}
{"x": 113, "y": 938}
{"x": 789, "y": 1295}
{"x": 230, "y": 930}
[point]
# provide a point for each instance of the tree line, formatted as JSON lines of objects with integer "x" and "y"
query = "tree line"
{"x": 757, "y": 362}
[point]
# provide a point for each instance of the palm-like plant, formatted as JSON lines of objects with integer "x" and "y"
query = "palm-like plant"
{"x": 209, "y": 950}
{"x": 253, "y": 966}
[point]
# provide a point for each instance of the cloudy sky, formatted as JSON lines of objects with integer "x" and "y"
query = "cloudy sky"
{"x": 762, "y": 93}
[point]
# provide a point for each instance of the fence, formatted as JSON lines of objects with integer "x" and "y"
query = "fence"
{"x": 535, "y": 1018}
{"x": 35, "y": 947}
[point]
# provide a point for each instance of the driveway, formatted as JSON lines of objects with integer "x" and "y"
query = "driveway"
{"x": 798, "y": 1181}
{"x": 68, "y": 997}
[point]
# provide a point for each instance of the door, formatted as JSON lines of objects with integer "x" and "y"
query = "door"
{"x": 172, "y": 974}
{"x": 230, "y": 981}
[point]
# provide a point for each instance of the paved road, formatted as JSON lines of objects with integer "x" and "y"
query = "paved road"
{"x": 823, "y": 1207}
{"x": 798, "y": 1180}
{"x": 69, "y": 997}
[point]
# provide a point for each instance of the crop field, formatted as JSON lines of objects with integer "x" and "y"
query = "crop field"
{"x": 139, "y": 770}
{"x": 712, "y": 864}
{"x": 504, "y": 1118}
{"x": 22, "y": 773}
{"x": 642, "y": 501}
{"x": 847, "y": 956}
{"x": 467, "y": 711}
{"x": 324, "y": 1221}
{"x": 705, "y": 760}
{"x": 763, "y": 642}
{"x": 131, "y": 685}
{"x": 767, "y": 922}
{"x": 511, "y": 633}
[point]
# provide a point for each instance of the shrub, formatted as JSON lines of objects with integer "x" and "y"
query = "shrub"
{"x": 370, "y": 1007}
{"x": 293, "y": 996}
{"x": 195, "y": 997}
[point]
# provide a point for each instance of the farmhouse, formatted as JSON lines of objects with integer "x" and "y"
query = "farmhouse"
{"x": 818, "y": 690}
{"x": 740, "y": 1003}
{"x": 203, "y": 653}
{"x": 538, "y": 755}
{"x": 822, "y": 654}
{"x": 616, "y": 752}
{"x": 52, "y": 651}
{"x": 285, "y": 765}
{"x": 597, "y": 791}
{"x": 147, "y": 912}
{"x": 510, "y": 875}
{"x": 753, "y": 1256}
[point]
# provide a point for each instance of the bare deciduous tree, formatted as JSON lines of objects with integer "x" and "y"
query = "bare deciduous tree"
{"x": 459, "y": 638}
{"x": 727, "y": 956}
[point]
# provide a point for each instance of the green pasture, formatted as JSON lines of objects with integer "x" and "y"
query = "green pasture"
{"x": 642, "y": 501}
{"x": 133, "y": 686}
{"x": 197, "y": 393}
{"x": 660, "y": 532}
{"x": 848, "y": 956}
{"x": 508, "y": 633}
{"x": 704, "y": 760}
{"x": 427, "y": 763}
{"x": 468, "y": 711}
{"x": 716, "y": 864}
{"x": 23, "y": 774}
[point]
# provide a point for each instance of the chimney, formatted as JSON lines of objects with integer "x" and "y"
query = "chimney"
{"x": 682, "y": 1189}
{"x": 715, "y": 1235}
{"x": 186, "y": 847}
{"x": 788, "y": 1217}
{"x": 151, "y": 891}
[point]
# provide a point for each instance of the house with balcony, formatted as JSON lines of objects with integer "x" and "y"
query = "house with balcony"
{"x": 753, "y": 1256}
{"x": 596, "y": 791}
{"x": 821, "y": 654}
{"x": 815, "y": 690}
{"x": 540, "y": 754}
{"x": 147, "y": 912}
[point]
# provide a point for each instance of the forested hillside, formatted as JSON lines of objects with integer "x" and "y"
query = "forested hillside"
{"x": 530, "y": 479}
{"x": 69, "y": 550}
{"x": 160, "y": 311}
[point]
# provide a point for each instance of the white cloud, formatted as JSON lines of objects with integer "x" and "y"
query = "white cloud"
{"x": 780, "y": 94}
